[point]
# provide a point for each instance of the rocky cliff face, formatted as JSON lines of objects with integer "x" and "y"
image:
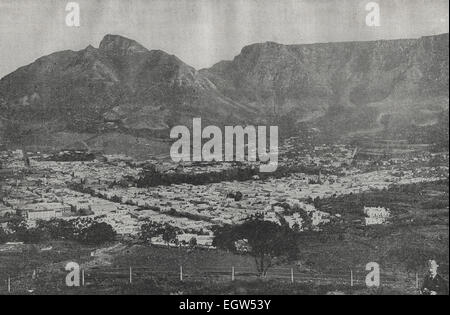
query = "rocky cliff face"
{"x": 120, "y": 82}
{"x": 354, "y": 79}
{"x": 339, "y": 87}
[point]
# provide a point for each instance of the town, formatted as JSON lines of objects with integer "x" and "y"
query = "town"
{"x": 234, "y": 150}
{"x": 75, "y": 184}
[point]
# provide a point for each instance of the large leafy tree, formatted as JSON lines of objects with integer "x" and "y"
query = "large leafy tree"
{"x": 268, "y": 242}
{"x": 98, "y": 233}
{"x": 57, "y": 228}
{"x": 151, "y": 229}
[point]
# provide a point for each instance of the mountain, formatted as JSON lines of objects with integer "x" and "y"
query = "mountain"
{"x": 341, "y": 86}
{"x": 122, "y": 87}
{"x": 121, "y": 83}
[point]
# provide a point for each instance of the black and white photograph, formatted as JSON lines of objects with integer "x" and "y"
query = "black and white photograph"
{"x": 223, "y": 153}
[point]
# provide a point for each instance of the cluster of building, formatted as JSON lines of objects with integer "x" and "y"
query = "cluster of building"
{"x": 98, "y": 188}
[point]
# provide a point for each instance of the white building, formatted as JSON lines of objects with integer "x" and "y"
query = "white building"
{"x": 376, "y": 215}
{"x": 43, "y": 211}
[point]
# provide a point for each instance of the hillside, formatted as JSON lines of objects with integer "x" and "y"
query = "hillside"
{"x": 122, "y": 87}
{"x": 120, "y": 83}
{"x": 341, "y": 86}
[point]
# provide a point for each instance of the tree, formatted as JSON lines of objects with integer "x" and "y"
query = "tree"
{"x": 169, "y": 234}
{"x": 35, "y": 235}
{"x": 307, "y": 221}
{"x": 98, "y": 233}
{"x": 268, "y": 242}
{"x": 20, "y": 231}
{"x": 3, "y": 236}
{"x": 296, "y": 227}
{"x": 193, "y": 242}
{"x": 18, "y": 228}
{"x": 85, "y": 230}
{"x": 151, "y": 229}
{"x": 57, "y": 229}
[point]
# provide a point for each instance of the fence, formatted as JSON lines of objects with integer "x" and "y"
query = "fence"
{"x": 111, "y": 277}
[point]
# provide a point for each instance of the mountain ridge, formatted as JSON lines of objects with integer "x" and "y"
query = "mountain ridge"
{"x": 337, "y": 87}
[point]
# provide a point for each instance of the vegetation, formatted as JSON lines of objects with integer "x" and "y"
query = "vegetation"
{"x": 402, "y": 248}
{"x": 83, "y": 230}
{"x": 152, "y": 229}
{"x": 169, "y": 234}
{"x": 71, "y": 156}
{"x": 150, "y": 176}
{"x": 3, "y": 236}
{"x": 98, "y": 233}
{"x": 267, "y": 242}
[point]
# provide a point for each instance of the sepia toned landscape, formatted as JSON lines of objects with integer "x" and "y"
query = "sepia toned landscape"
{"x": 362, "y": 174}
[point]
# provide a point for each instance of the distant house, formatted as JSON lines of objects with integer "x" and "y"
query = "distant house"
{"x": 376, "y": 215}
{"x": 43, "y": 211}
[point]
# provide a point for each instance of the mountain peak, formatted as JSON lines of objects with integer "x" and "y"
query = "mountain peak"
{"x": 120, "y": 45}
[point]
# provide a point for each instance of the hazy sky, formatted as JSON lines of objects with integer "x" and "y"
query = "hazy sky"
{"x": 203, "y": 32}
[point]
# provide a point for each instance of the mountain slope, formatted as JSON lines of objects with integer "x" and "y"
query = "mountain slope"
{"x": 348, "y": 85}
{"x": 122, "y": 87}
{"x": 121, "y": 82}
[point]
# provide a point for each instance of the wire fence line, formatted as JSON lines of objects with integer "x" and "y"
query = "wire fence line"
{"x": 112, "y": 276}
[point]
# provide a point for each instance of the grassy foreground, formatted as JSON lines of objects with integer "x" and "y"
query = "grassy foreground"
{"x": 418, "y": 231}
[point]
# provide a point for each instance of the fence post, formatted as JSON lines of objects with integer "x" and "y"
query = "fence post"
{"x": 82, "y": 277}
{"x": 232, "y": 273}
{"x": 351, "y": 277}
{"x": 292, "y": 275}
{"x": 131, "y": 275}
{"x": 181, "y": 273}
{"x": 417, "y": 280}
{"x": 9, "y": 284}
